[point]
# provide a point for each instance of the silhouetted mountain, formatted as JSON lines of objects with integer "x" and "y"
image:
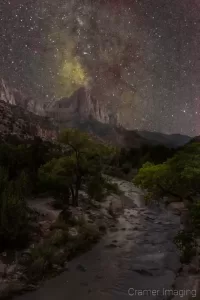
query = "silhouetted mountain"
{"x": 16, "y": 97}
{"x": 82, "y": 111}
{"x": 80, "y": 106}
{"x": 169, "y": 140}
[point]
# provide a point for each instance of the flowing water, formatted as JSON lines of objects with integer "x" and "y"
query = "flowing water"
{"x": 137, "y": 258}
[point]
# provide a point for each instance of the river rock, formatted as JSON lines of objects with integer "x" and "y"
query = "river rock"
{"x": 73, "y": 232}
{"x": 11, "y": 269}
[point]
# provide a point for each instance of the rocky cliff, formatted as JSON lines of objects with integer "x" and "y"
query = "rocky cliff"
{"x": 16, "y": 97}
{"x": 81, "y": 106}
{"x": 23, "y": 117}
{"x": 14, "y": 120}
{"x": 84, "y": 111}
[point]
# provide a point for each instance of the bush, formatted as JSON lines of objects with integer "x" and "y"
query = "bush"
{"x": 44, "y": 249}
{"x": 178, "y": 176}
{"x": 185, "y": 241}
{"x": 90, "y": 233}
{"x": 37, "y": 268}
{"x": 195, "y": 216}
{"x": 58, "y": 237}
{"x": 59, "y": 224}
{"x": 14, "y": 217}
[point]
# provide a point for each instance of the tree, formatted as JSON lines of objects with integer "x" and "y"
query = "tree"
{"x": 78, "y": 167}
{"x": 178, "y": 176}
{"x": 14, "y": 218}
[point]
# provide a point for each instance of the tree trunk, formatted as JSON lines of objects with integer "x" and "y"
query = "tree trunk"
{"x": 72, "y": 195}
{"x": 75, "y": 202}
{"x": 77, "y": 189}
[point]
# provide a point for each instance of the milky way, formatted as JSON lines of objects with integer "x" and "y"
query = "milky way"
{"x": 142, "y": 57}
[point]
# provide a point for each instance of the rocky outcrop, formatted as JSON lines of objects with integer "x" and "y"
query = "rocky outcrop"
{"x": 16, "y": 97}
{"x": 85, "y": 111}
{"x": 81, "y": 106}
{"x": 22, "y": 116}
{"x": 14, "y": 120}
{"x": 82, "y": 110}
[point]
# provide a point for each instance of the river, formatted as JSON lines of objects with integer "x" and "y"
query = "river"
{"x": 137, "y": 258}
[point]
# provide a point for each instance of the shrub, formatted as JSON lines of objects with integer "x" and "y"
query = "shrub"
{"x": 37, "y": 268}
{"x": 90, "y": 233}
{"x": 45, "y": 250}
{"x": 14, "y": 218}
{"x": 178, "y": 176}
{"x": 59, "y": 224}
{"x": 58, "y": 237}
{"x": 195, "y": 217}
{"x": 185, "y": 242}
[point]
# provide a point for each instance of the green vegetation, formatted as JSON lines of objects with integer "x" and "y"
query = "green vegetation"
{"x": 179, "y": 176}
{"x": 50, "y": 256}
{"x": 74, "y": 167}
{"x": 186, "y": 243}
{"x": 66, "y": 170}
{"x": 62, "y": 170}
{"x": 81, "y": 169}
{"x": 125, "y": 162}
{"x": 14, "y": 225}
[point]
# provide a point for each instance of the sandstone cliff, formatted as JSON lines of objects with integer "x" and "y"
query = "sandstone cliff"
{"x": 21, "y": 116}
{"x": 16, "y": 97}
{"x": 81, "y": 106}
{"x": 14, "y": 120}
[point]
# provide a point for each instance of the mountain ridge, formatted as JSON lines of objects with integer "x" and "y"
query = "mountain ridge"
{"x": 82, "y": 111}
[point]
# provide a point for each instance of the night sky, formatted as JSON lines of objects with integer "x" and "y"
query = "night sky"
{"x": 140, "y": 56}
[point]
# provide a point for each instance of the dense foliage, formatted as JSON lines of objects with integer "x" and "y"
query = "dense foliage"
{"x": 178, "y": 176}
{"x": 62, "y": 170}
{"x": 77, "y": 164}
{"x": 81, "y": 169}
{"x": 14, "y": 224}
{"x": 125, "y": 162}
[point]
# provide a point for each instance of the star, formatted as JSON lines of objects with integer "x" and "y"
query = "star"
{"x": 140, "y": 58}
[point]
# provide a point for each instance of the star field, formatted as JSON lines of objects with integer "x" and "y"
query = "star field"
{"x": 141, "y": 57}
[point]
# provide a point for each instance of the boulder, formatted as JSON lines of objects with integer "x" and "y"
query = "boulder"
{"x": 73, "y": 232}
{"x": 176, "y": 206}
{"x": 11, "y": 269}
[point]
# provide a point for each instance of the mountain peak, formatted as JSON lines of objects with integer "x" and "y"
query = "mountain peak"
{"x": 81, "y": 105}
{"x": 15, "y": 96}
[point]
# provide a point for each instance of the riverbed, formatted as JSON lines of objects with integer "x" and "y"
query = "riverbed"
{"x": 137, "y": 258}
